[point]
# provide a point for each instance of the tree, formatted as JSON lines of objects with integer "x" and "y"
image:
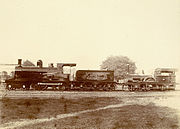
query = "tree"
{"x": 28, "y": 63}
{"x": 4, "y": 73}
{"x": 121, "y": 65}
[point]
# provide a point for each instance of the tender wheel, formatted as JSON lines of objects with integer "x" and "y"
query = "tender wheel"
{"x": 62, "y": 88}
{"x": 54, "y": 88}
{"x": 34, "y": 86}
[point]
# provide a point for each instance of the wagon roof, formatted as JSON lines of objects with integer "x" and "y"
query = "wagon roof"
{"x": 166, "y": 69}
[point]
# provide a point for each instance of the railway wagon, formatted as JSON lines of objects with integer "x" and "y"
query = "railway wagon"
{"x": 94, "y": 80}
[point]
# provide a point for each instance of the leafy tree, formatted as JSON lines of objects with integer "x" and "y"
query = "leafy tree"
{"x": 28, "y": 63}
{"x": 121, "y": 65}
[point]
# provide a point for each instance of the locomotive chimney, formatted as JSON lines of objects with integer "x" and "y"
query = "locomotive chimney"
{"x": 40, "y": 63}
{"x": 19, "y": 62}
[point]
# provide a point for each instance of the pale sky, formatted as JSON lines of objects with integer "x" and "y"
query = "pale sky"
{"x": 87, "y": 31}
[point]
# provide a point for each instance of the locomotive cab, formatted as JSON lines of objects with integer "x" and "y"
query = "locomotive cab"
{"x": 166, "y": 76}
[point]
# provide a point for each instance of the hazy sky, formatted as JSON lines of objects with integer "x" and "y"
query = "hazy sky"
{"x": 88, "y": 31}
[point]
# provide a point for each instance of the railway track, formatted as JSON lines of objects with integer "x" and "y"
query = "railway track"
{"x": 80, "y": 94}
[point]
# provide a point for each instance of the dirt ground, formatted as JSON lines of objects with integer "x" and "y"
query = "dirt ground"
{"x": 111, "y": 110}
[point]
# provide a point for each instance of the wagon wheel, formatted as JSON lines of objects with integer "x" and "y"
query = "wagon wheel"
{"x": 91, "y": 87}
{"x": 53, "y": 87}
{"x": 95, "y": 87}
{"x": 44, "y": 87}
{"x": 149, "y": 84}
{"x": 130, "y": 88}
{"x": 112, "y": 88}
{"x": 133, "y": 88}
{"x": 99, "y": 87}
{"x": 145, "y": 87}
{"x": 62, "y": 88}
{"x": 148, "y": 88}
{"x": 34, "y": 86}
{"x": 81, "y": 86}
{"x": 136, "y": 87}
{"x": 38, "y": 87}
{"x": 105, "y": 87}
{"x": 160, "y": 87}
{"x": 141, "y": 87}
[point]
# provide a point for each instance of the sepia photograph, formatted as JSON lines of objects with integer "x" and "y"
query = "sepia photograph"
{"x": 90, "y": 64}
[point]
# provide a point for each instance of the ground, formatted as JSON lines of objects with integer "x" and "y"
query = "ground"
{"x": 111, "y": 110}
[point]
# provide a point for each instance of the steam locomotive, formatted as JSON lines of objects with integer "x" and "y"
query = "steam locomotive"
{"x": 163, "y": 79}
{"x": 44, "y": 78}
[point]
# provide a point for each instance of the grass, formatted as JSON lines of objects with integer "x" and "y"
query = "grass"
{"x": 15, "y": 109}
{"x": 126, "y": 117}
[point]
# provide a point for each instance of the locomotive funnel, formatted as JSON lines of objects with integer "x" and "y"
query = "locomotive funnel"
{"x": 40, "y": 63}
{"x": 19, "y": 62}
